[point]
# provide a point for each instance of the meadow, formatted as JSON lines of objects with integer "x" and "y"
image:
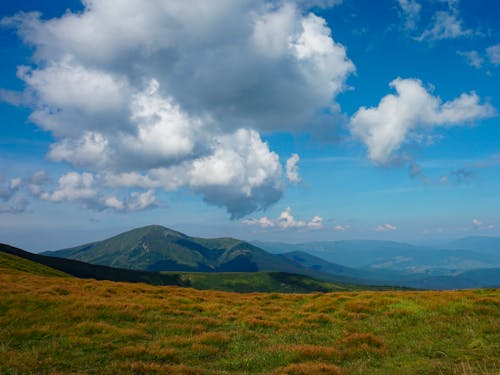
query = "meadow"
{"x": 51, "y": 323}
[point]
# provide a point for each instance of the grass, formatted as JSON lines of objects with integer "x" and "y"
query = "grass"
{"x": 58, "y": 325}
{"x": 247, "y": 282}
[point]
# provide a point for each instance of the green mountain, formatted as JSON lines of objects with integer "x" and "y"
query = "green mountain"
{"x": 156, "y": 248}
{"x": 12, "y": 258}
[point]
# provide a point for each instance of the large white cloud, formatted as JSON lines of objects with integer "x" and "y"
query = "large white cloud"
{"x": 384, "y": 128}
{"x": 170, "y": 93}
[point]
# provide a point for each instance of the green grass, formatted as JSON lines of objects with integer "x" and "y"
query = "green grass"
{"x": 231, "y": 281}
{"x": 62, "y": 325}
{"x": 12, "y": 262}
{"x": 246, "y": 282}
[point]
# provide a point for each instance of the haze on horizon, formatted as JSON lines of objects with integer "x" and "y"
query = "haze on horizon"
{"x": 286, "y": 121}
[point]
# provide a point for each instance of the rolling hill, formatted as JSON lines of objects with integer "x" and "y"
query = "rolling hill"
{"x": 19, "y": 260}
{"x": 377, "y": 263}
{"x": 91, "y": 271}
{"x": 64, "y": 325}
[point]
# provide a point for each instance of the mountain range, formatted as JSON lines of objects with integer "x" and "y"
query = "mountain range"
{"x": 156, "y": 248}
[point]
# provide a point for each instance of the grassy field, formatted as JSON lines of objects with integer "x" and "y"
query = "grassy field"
{"x": 52, "y": 324}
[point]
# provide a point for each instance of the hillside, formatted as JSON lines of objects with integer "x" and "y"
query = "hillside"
{"x": 156, "y": 248}
{"x": 86, "y": 271}
{"x": 15, "y": 263}
{"x": 481, "y": 244}
{"x": 19, "y": 260}
{"x": 65, "y": 325}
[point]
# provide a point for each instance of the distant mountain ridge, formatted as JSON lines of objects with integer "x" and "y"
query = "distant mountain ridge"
{"x": 156, "y": 248}
{"x": 383, "y": 263}
{"x": 391, "y": 255}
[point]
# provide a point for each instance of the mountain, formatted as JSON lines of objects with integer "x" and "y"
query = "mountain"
{"x": 14, "y": 259}
{"x": 479, "y": 278}
{"x": 156, "y": 248}
{"x": 378, "y": 277}
{"x": 392, "y": 256}
{"x": 479, "y": 244}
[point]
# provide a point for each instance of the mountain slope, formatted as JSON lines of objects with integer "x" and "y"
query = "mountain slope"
{"x": 480, "y": 244}
{"x": 14, "y": 259}
{"x": 16, "y": 263}
{"x": 156, "y": 248}
{"x": 90, "y": 271}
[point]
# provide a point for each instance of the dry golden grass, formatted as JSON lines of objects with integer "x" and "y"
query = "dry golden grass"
{"x": 63, "y": 325}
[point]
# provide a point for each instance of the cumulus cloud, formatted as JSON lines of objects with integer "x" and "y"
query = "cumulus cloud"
{"x": 385, "y": 228}
{"x": 292, "y": 169}
{"x": 494, "y": 54}
{"x": 83, "y": 188}
{"x": 384, "y": 128}
{"x": 476, "y": 222}
{"x": 286, "y": 221}
{"x": 181, "y": 101}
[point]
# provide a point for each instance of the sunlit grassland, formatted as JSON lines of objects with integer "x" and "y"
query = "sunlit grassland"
{"x": 52, "y": 324}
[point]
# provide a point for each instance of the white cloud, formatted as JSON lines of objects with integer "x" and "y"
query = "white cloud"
{"x": 83, "y": 188}
{"x": 384, "y": 128}
{"x": 476, "y": 222}
{"x": 446, "y": 24}
{"x": 494, "y": 54}
{"x": 411, "y": 12}
{"x": 341, "y": 228}
{"x": 292, "y": 169}
{"x": 385, "y": 228}
{"x": 286, "y": 221}
{"x": 181, "y": 100}
{"x": 472, "y": 58}
{"x": 11, "y": 202}
{"x": 72, "y": 186}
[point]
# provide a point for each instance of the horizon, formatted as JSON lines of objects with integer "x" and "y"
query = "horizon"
{"x": 428, "y": 243}
{"x": 289, "y": 121}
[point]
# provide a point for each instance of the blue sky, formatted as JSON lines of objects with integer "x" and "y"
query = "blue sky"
{"x": 285, "y": 121}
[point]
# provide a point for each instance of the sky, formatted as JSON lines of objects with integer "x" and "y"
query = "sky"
{"x": 288, "y": 121}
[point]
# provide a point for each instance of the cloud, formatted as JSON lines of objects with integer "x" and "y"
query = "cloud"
{"x": 10, "y": 200}
{"x": 479, "y": 225}
{"x": 83, "y": 188}
{"x": 457, "y": 176}
{"x": 446, "y": 24}
{"x": 494, "y": 54}
{"x": 386, "y": 127}
{"x": 286, "y": 221}
{"x": 410, "y": 10}
{"x": 341, "y": 228}
{"x": 292, "y": 169}
{"x": 385, "y": 228}
{"x": 472, "y": 58}
{"x": 181, "y": 101}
